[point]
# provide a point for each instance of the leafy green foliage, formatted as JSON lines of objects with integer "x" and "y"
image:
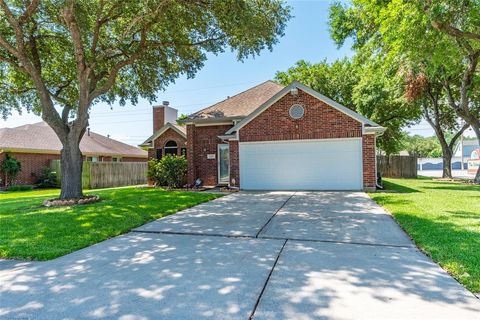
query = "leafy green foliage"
{"x": 181, "y": 117}
{"x": 438, "y": 41}
{"x": 170, "y": 171}
{"x": 152, "y": 41}
{"x": 58, "y": 58}
{"x": 423, "y": 147}
{"x": 20, "y": 188}
{"x": 61, "y": 230}
{"x": 442, "y": 218}
{"x": 10, "y": 168}
{"x": 47, "y": 179}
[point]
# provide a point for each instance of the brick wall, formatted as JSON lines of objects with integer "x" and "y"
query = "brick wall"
{"x": 191, "y": 174}
{"x": 32, "y": 164}
{"x": 320, "y": 121}
{"x": 369, "y": 166}
{"x": 158, "y": 117}
{"x": 234, "y": 164}
{"x": 160, "y": 142}
{"x": 203, "y": 140}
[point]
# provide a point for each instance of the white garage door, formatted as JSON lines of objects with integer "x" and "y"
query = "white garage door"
{"x": 334, "y": 164}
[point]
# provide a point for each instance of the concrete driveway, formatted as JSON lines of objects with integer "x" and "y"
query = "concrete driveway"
{"x": 271, "y": 255}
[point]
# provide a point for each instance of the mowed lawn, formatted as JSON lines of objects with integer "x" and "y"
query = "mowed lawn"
{"x": 31, "y": 231}
{"x": 443, "y": 218}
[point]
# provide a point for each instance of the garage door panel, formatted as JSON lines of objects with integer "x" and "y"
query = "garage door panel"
{"x": 305, "y": 165}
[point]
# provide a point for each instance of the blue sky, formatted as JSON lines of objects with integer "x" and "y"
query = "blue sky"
{"x": 306, "y": 37}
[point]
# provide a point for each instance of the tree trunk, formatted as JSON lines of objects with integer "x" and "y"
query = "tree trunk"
{"x": 71, "y": 165}
{"x": 447, "y": 164}
{"x": 447, "y": 155}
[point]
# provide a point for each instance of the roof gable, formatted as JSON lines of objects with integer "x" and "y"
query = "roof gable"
{"x": 179, "y": 129}
{"x": 241, "y": 104}
{"x": 310, "y": 91}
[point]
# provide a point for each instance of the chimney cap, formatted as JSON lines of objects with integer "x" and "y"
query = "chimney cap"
{"x": 164, "y": 104}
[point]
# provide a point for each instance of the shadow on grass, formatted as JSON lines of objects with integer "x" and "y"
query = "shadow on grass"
{"x": 389, "y": 185}
{"x": 464, "y": 214}
{"x": 452, "y": 186}
{"x": 55, "y": 231}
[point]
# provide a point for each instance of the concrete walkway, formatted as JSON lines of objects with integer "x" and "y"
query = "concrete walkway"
{"x": 275, "y": 255}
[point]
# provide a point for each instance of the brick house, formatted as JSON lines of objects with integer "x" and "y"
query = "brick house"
{"x": 272, "y": 137}
{"x": 36, "y": 145}
{"x": 168, "y": 137}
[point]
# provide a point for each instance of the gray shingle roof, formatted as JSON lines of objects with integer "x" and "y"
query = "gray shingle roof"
{"x": 242, "y": 104}
{"x": 39, "y": 136}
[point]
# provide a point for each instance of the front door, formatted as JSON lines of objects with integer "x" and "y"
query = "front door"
{"x": 223, "y": 164}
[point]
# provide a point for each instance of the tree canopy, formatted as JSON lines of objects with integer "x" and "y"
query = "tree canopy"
{"x": 58, "y": 58}
{"x": 435, "y": 40}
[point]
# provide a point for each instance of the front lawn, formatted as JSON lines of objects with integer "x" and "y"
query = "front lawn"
{"x": 30, "y": 231}
{"x": 443, "y": 218}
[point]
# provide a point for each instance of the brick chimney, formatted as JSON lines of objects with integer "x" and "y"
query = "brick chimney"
{"x": 163, "y": 114}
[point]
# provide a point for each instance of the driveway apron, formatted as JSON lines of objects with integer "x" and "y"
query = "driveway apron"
{"x": 239, "y": 214}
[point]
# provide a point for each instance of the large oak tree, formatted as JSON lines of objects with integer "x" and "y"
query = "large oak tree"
{"x": 440, "y": 39}
{"x": 58, "y": 58}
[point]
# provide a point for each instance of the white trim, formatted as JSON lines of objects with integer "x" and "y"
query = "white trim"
{"x": 374, "y": 130}
{"x": 298, "y": 140}
{"x": 162, "y": 130}
{"x": 218, "y": 164}
{"x": 309, "y": 91}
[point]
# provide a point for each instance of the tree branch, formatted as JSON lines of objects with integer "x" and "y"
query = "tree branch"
{"x": 457, "y": 135}
{"x": 49, "y": 113}
{"x": 455, "y": 32}
{"x": 32, "y": 7}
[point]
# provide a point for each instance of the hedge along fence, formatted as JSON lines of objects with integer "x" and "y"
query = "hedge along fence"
{"x": 97, "y": 175}
{"x": 397, "y": 166}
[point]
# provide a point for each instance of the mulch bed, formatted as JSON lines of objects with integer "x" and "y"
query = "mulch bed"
{"x": 71, "y": 202}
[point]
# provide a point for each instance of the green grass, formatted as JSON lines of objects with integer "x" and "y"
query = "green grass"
{"x": 443, "y": 218}
{"x": 31, "y": 231}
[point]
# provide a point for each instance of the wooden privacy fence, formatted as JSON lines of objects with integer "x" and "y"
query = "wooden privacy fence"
{"x": 397, "y": 166}
{"x": 109, "y": 174}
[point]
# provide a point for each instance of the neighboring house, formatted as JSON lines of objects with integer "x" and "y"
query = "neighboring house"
{"x": 36, "y": 145}
{"x": 272, "y": 137}
{"x": 168, "y": 137}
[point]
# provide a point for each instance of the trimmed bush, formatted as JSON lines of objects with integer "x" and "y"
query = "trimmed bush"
{"x": 20, "y": 188}
{"x": 47, "y": 179}
{"x": 170, "y": 171}
{"x": 10, "y": 168}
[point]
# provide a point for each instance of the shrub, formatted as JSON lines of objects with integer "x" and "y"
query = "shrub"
{"x": 10, "y": 168}
{"x": 20, "y": 188}
{"x": 47, "y": 179}
{"x": 170, "y": 171}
